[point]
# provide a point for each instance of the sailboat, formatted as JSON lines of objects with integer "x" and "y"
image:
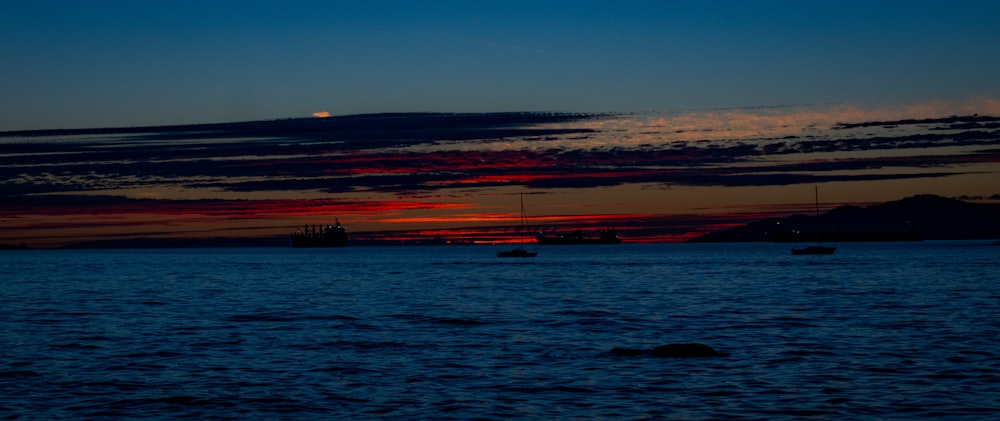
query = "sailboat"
{"x": 819, "y": 248}
{"x": 519, "y": 251}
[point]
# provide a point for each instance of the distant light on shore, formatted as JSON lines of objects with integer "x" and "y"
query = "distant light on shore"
{"x": 321, "y": 114}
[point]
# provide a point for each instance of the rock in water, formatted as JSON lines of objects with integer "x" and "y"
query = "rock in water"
{"x": 684, "y": 350}
{"x": 669, "y": 350}
{"x": 629, "y": 352}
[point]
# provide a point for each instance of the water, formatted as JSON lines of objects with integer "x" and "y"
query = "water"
{"x": 890, "y": 331}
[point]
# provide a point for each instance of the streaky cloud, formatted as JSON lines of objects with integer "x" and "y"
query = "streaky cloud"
{"x": 386, "y": 170}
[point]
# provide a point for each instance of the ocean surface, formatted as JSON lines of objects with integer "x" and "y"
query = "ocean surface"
{"x": 875, "y": 331}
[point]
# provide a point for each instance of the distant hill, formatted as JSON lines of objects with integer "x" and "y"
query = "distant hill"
{"x": 925, "y": 216}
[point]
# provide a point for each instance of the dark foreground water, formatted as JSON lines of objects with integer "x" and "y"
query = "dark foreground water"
{"x": 889, "y": 331}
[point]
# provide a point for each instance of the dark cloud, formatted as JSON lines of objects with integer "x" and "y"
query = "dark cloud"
{"x": 953, "y": 123}
{"x": 402, "y": 153}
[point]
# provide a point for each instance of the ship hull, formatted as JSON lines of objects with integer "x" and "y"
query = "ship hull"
{"x": 518, "y": 252}
{"x": 317, "y": 236}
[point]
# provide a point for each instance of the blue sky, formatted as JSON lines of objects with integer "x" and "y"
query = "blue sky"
{"x": 70, "y": 64}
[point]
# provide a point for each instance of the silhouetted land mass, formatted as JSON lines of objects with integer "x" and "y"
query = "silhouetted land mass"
{"x": 915, "y": 218}
{"x": 226, "y": 242}
{"x": 21, "y": 246}
{"x": 172, "y": 243}
{"x": 919, "y": 217}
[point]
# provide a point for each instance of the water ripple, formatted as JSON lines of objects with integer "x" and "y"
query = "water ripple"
{"x": 459, "y": 334}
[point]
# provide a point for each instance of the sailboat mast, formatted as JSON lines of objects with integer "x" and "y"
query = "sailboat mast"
{"x": 819, "y": 248}
{"x": 819, "y": 227}
{"x": 816, "y": 192}
{"x": 524, "y": 221}
{"x": 520, "y": 251}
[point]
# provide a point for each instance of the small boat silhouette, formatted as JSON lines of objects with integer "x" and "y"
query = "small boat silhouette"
{"x": 818, "y": 248}
{"x": 519, "y": 251}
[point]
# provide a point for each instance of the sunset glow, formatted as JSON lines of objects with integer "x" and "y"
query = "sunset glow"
{"x": 636, "y": 173}
{"x": 655, "y": 178}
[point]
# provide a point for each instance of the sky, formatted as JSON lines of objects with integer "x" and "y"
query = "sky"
{"x": 687, "y": 116}
{"x": 71, "y": 64}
